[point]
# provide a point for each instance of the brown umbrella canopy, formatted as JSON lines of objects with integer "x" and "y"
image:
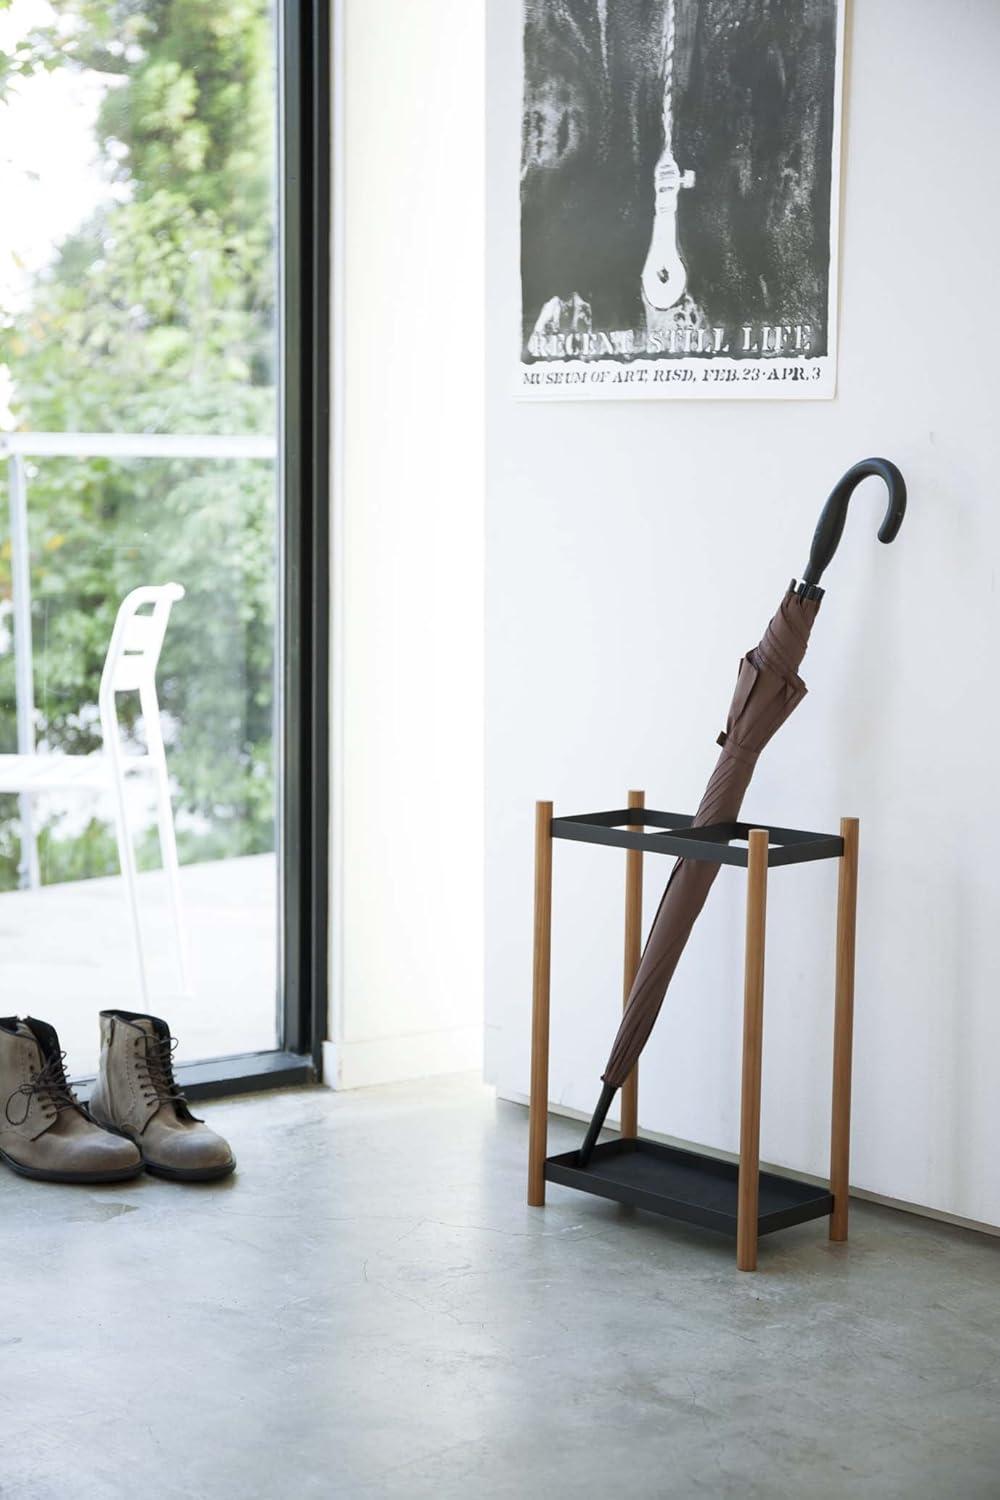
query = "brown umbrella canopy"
{"x": 768, "y": 688}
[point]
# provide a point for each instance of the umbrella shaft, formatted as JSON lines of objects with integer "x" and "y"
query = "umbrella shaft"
{"x": 597, "y": 1122}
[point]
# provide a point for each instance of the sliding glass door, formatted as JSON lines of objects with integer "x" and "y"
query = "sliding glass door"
{"x": 162, "y": 752}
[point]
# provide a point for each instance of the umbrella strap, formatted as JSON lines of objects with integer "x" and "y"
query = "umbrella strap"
{"x": 737, "y": 752}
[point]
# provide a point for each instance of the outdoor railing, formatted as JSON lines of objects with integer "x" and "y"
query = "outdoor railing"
{"x": 15, "y": 447}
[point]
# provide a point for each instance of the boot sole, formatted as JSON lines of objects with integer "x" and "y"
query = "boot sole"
{"x": 39, "y": 1174}
{"x": 190, "y": 1174}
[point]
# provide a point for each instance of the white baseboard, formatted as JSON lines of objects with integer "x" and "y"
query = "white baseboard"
{"x": 399, "y": 1059}
{"x": 920, "y": 1209}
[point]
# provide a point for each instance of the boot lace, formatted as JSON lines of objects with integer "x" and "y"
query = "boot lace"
{"x": 50, "y": 1082}
{"x": 157, "y": 1054}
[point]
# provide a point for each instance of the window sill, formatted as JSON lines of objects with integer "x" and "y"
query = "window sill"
{"x": 247, "y": 1073}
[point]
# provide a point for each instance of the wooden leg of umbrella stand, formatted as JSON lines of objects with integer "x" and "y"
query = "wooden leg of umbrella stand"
{"x": 753, "y": 1038}
{"x": 538, "y": 1107}
{"x": 843, "y": 1029}
{"x": 633, "y": 952}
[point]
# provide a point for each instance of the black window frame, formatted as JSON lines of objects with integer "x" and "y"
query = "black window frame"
{"x": 304, "y": 844}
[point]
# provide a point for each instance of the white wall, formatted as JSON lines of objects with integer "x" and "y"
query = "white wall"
{"x": 611, "y": 527}
{"x": 408, "y": 573}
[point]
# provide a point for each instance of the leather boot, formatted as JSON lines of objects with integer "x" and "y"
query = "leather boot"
{"x": 136, "y": 1095}
{"x": 44, "y": 1130}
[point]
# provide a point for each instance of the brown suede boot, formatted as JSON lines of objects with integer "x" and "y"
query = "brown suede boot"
{"x": 136, "y": 1095}
{"x": 44, "y": 1130}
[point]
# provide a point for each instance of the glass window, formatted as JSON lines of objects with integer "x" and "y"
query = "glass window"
{"x": 138, "y": 411}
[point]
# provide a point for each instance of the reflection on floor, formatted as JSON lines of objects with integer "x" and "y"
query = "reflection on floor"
{"x": 66, "y": 953}
{"x": 369, "y": 1311}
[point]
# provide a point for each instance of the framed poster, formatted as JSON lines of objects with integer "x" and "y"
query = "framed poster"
{"x": 680, "y": 164}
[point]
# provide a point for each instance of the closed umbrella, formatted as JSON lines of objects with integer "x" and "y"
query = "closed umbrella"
{"x": 768, "y": 689}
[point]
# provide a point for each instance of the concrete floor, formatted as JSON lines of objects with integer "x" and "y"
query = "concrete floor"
{"x": 368, "y": 1309}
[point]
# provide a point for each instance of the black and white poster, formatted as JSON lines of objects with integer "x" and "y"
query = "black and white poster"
{"x": 679, "y": 195}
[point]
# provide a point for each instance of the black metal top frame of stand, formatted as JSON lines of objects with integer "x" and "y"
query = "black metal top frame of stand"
{"x": 713, "y": 841}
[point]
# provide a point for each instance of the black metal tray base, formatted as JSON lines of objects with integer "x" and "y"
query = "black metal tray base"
{"x": 685, "y": 1185}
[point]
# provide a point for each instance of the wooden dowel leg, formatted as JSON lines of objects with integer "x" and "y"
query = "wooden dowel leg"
{"x": 538, "y": 1107}
{"x": 633, "y": 952}
{"x": 843, "y": 1029}
{"x": 753, "y": 1038}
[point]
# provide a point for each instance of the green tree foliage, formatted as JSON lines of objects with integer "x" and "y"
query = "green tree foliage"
{"x": 158, "y": 315}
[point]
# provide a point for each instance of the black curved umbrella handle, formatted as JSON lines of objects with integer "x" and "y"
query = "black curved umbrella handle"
{"x": 831, "y": 522}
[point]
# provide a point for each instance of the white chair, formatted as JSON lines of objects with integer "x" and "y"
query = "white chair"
{"x": 130, "y": 666}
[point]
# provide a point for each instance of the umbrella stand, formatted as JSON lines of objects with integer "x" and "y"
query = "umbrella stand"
{"x": 691, "y": 1185}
